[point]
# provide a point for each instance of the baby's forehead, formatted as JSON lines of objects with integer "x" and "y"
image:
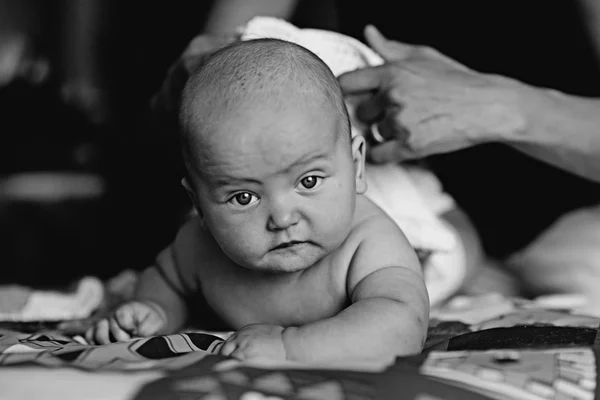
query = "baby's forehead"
{"x": 270, "y": 126}
{"x": 285, "y": 99}
{"x": 298, "y": 87}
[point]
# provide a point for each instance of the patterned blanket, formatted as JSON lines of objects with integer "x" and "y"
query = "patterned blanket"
{"x": 488, "y": 347}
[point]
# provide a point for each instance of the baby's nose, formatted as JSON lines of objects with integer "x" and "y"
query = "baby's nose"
{"x": 283, "y": 215}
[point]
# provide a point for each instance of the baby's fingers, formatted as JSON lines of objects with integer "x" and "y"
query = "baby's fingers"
{"x": 89, "y": 334}
{"x": 117, "y": 333}
{"x": 99, "y": 333}
{"x": 228, "y": 347}
{"x": 151, "y": 324}
{"x": 239, "y": 354}
{"x": 125, "y": 318}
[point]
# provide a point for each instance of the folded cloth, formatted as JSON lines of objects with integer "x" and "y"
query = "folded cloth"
{"x": 411, "y": 195}
{"x": 19, "y": 303}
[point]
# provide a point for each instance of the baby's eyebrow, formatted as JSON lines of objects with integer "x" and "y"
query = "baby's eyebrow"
{"x": 224, "y": 180}
{"x": 304, "y": 160}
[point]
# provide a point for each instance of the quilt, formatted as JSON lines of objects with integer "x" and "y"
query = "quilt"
{"x": 484, "y": 347}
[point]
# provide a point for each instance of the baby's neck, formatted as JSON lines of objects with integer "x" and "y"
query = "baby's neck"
{"x": 272, "y": 276}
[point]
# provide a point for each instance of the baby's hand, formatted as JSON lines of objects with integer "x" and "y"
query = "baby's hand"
{"x": 256, "y": 341}
{"x": 131, "y": 319}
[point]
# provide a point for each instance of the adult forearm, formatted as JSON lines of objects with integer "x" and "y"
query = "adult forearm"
{"x": 377, "y": 328}
{"x": 560, "y": 129}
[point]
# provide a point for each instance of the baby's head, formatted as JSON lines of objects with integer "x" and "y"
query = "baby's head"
{"x": 270, "y": 162}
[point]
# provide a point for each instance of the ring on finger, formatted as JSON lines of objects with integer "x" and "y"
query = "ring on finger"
{"x": 375, "y": 135}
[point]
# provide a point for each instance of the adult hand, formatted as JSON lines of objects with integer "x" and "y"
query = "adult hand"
{"x": 426, "y": 103}
{"x": 167, "y": 99}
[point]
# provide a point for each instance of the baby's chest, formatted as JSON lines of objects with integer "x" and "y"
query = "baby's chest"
{"x": 240, "y": 302}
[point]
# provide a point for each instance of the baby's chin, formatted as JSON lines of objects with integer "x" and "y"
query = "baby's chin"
{"x": 288, "y": 260}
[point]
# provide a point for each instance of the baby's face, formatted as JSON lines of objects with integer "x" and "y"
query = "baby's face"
{"x": 278, "y": 186}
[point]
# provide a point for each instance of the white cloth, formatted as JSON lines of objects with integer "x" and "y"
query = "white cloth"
{"x": 412, "y": 196}
{"x": 52, "y": 305}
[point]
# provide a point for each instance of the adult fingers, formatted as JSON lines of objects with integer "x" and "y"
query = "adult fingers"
{"x": 392, "y": 50}
{"x": 383, "y": 119}
{"x": 388, "y": 49}
{"x": 361, "y": 80}
{"x": 389, "y": 126}
{"x": 372, "y": 108}
{"x": 391, "y": 151}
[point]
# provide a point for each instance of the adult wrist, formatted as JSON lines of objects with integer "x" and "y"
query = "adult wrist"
{"x": 506, "y": 116}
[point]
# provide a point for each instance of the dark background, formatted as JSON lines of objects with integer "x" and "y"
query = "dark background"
{"x": 122, "y": 51}
{"x": 116, "y": 54}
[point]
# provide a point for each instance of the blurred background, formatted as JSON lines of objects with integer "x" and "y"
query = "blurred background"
{"x": 89, "y": 176}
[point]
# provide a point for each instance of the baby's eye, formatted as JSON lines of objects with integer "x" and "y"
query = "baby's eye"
{"x": 243, "y": 199}
{"x": 311, "y": 181}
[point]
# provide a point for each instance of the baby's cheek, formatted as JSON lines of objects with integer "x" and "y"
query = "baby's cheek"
{"x": 230, "y": 233}
{"x": 335, "y": 219}
{"x": 240, "y": 243}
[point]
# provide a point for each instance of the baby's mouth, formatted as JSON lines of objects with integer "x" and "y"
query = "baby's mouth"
{"x": 287, "y": 244}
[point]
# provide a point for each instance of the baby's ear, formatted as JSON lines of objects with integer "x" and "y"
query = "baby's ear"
{"x": 192, "y": 195}
{"x": 190, "y": 192}
{"x": 358, "y": 158}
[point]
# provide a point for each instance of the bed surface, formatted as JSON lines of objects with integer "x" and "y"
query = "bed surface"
{"x": 478, "y": 347}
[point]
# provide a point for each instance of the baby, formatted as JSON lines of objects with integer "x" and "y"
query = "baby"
{"x": 285, "y": 249}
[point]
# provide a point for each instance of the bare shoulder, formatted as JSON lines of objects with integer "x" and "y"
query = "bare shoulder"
{"x": 372, "y": 223}
{"x": 190, "y": 233}
{"x": 194, "y": 247}
{"x": 378, "y": 242}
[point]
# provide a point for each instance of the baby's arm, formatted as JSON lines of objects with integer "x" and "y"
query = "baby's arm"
{"x": 389, "y": 313}
{"x": 160, "y": 286}
{"x": 158, "y": 306}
